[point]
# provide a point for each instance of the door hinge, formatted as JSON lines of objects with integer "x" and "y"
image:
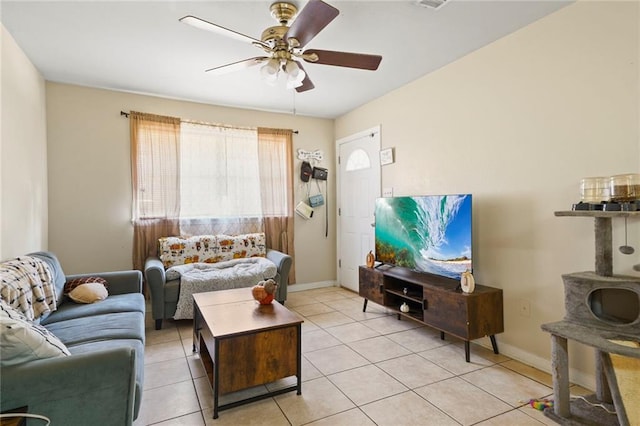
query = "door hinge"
{"x": 338, "y": 159}
{"x": 339, "y": 263}
{"x": 339, "y": 211}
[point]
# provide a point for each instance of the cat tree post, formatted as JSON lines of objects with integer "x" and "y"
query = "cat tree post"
{"x": 604, "y": 244}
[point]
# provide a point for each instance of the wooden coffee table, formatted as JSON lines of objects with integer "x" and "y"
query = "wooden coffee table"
{"x": 244, "y": 344}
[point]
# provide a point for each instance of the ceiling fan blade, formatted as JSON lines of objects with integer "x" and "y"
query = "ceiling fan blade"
{"x": 344, "y": 59}
{"x": 237, "y": 66}
{"x": 314, "y": 17}
{"x": 307, "y": 84}
{"x": 208, "y": 26}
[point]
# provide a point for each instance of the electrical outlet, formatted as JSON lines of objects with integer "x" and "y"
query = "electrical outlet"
{"x": 525, "y": 308}
{"x": 387, "y": 192}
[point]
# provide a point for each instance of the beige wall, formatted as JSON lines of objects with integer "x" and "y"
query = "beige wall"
{"x": 518, "y": 124}
{"x": 23, "y": 153}
{"x": 90, "y": 177}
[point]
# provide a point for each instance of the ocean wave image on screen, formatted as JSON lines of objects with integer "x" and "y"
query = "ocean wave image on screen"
{"x": 430, "y": 234}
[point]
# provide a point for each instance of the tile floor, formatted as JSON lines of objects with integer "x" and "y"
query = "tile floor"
{"x": 358, "y": 369}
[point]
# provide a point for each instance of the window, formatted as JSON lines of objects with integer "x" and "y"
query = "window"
{"x": 196, "y": 178}
{"x": 197, "y": 170}
{"x": 358, "y": 160}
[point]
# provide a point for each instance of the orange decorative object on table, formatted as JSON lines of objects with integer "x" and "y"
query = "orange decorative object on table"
{"x": 264, "y": 291}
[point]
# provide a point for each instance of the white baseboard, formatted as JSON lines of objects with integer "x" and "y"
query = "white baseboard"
{"x": 577, "y": 377}
{"x": 310, "y": 286}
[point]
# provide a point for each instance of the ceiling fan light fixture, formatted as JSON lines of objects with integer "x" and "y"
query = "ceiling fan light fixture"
{"x": 292, "y": 69}
{"x": 295, "y": 75}
{"x": 294, "y": 83}
{"x": 270, "y": 69}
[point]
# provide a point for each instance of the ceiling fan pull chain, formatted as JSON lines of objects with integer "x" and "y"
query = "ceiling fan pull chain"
{"x": 294, "y": 101}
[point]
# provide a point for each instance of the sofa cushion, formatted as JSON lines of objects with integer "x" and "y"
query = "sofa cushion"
{"x": 73, "y": 283}
{"x": 175, "y": 251}
{"x": 22, "y": 341}
{"x": 130, "y": 302}
{"x": 121, "y": 325}
{"x": 89, "y": 293}
{"x": 241, "y": 246}
{"x": 135, "y": 344}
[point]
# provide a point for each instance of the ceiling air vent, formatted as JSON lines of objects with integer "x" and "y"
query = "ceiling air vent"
{"x": 432, "y": 4}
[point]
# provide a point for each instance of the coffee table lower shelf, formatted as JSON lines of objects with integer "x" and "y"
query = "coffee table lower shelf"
{"x": 239, "y": 377}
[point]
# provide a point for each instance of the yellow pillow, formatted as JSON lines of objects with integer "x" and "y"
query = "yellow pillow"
{"x": 88, "y": 293}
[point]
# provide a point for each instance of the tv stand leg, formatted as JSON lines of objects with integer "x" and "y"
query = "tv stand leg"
{"x": 442, "y": 335}
{"x": 467, "y": 351}
{"x": 494, "y": 344}
{"x": 364, "y": 307}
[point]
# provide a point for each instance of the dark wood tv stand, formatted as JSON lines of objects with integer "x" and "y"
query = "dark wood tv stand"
{"x": 437, "y": 302}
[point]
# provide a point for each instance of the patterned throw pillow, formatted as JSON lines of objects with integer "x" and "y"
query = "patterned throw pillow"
{"x": 72, "y": 284}
{"x": 22, "y": 341}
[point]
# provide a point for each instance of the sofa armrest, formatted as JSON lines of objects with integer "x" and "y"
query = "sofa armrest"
{"x": 156, "y": 279}
{"x": 154, "y": 275}
{"x": 95, "y": 388}
{"x": 283, "y": 264}
{"x": 120, "y": 282}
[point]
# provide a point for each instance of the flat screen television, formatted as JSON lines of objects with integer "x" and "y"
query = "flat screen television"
{"x": 425, "y": 233}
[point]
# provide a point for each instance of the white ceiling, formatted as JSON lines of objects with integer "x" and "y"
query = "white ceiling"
{"x": 139, "y": 46}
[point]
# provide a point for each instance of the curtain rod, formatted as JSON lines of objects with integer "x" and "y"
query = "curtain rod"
{"x": 126, "y": 115}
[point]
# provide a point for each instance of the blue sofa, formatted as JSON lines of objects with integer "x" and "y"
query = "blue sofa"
{"x": 101, "y": 382}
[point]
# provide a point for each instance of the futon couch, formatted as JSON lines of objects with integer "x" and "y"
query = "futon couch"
{"x": 101, "y": 381}
{"x": 206, "y": 249}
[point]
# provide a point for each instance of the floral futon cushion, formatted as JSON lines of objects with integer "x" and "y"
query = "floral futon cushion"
{"x": 175, "y": 251}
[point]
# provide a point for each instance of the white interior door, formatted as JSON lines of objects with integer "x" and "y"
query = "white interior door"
{"x": 358, "y": 187}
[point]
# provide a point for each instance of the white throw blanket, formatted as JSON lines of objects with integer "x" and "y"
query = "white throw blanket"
{"x": 26, "y": 284}
{"x": 200, "y": 277}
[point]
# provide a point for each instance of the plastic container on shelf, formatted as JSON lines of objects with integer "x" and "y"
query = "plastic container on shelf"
{"x": 625, "y": 187}
{"x": 594, "y": 190}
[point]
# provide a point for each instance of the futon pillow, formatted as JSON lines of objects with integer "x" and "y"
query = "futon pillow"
{"x": 88, "y": 293}
{"x": 71, "y": 284}
{"x": 22, "y": 341}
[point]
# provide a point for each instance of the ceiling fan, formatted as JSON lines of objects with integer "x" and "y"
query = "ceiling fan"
{"x": 284, "y": 44}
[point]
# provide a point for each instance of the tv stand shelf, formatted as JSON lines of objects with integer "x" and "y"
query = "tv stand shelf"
{"x": 436, "y": 301}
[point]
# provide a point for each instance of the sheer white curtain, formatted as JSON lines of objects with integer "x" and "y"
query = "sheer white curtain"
{"x": 220, "y": 182}
{"x": 219, "y": 172}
